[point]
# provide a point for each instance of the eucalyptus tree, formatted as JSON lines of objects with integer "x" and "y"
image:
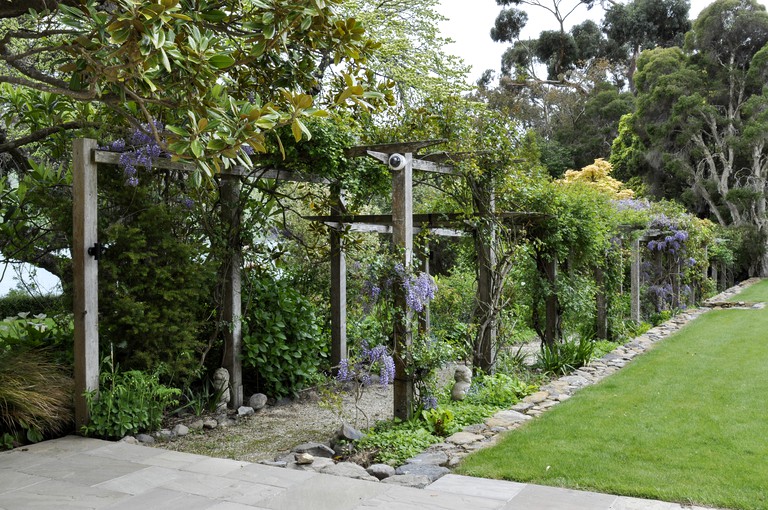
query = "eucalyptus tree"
{"x": 701, "y": 118}
{"x": 643, "y": 24}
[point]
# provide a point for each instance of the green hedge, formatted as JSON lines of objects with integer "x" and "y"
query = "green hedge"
{"x": 16, "y": 302}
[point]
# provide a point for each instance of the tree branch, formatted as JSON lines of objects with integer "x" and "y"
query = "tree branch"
{"x": 43, "y": 133}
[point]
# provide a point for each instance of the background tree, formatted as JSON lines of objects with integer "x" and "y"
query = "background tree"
{"x": 700, "y": 116}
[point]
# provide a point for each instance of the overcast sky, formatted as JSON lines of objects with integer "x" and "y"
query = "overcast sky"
{"x": 470, "y": 28}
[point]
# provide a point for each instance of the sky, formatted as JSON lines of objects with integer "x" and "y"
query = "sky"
{"x": 470, "y": 28}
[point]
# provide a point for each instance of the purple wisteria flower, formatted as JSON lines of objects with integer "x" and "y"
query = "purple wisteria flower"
{"x": 370, "y": 359}
{"x": 419, "y": 289}
{"x": 141, "y": 150}
{"x": 429, "y": 402}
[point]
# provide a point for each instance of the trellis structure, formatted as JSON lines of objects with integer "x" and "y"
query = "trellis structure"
{"x": 86, "y": 251}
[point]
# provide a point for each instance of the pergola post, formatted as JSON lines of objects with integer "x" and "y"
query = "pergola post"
{"x": 232, "y": 305}
{"x": 338, "y": 285}
{"x": 601, "y": 305}
{"x": 551, "y": 333}
{"x": 402, "y": 234}
{"x": 85, "y": 272}
{"x": 424, "y": 316}
{"x": 635, "y": 280}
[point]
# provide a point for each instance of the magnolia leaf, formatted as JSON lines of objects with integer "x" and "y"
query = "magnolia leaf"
{"x": 180, "y": 16}
{"x": 178, "y": 131}
{"x": 221, "y": 61}
{"x": 296, "y": 129}
{"x": 164, "y": 60}
{"x": 197, "y": 148}
{"x": 214, "y": 15}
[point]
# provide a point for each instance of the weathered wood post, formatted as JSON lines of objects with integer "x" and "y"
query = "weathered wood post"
{"x": 485, "y": 247}
{"x": 402, "y": 234}
{"x": 424, "y": 316}
{"x": 85, "y": 271}
{"x": 601, "y": 305}
{"x": 338, "y": 284}
{"x": 635, "y": 280}
{"x": 232, "y": 305}
{"x": 551, "y": 330}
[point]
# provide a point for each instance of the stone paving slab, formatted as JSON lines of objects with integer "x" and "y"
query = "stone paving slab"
{"x": 79, "y": 474}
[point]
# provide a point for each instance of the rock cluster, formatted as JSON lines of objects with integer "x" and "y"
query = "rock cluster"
{"x": 224, "y": 418}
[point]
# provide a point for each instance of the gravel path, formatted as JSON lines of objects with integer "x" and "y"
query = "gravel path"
{"x": 277, "y": 429}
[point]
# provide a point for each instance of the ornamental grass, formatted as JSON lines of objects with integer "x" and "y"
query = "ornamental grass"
{"x": 35, "y": 395}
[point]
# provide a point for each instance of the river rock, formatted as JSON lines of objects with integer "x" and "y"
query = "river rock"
{"x": 257, "y": 401}
{"x": 381, "y": 471}
{"x": 430, "y": 471}
{"x": 314, "y": 449}
{"x": 416, "y": 481}
{"x": 349, "y": 470}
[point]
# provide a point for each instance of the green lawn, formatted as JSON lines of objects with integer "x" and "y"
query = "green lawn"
{"x": 686, "y": 422}
{"x": 756, "y": 293}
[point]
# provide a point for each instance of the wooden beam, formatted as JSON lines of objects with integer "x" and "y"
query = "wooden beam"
{"x": 232, "y": 303}
{"x": 85, "y": 271}
{"x": 391, "y": 148}
{"x": 371, "y": 228}
{"x": 635, "y": 280}
{"x": 402, "y": 235}
{"x": 551, "y": 332}
{"x": 113, "y": 158}
{"x": 432, "y": 220}
{"x": 338, "y": 287}
{"x": 416, "y": 164}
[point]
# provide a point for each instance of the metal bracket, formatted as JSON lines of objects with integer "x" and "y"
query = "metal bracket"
{"x": 97, "y": 250}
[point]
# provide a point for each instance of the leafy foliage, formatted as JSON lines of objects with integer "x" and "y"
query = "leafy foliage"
{"x": 16, "y": 301}
{"x": 393, "y": 444}
{"x": 565, "y": 357}
{"x": 282, "y": 343}
{"x": 155, "y": 286}
{"x": 127, "y": 402}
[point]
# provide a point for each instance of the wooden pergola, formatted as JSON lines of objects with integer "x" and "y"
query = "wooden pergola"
{"x": 401, "y": 224}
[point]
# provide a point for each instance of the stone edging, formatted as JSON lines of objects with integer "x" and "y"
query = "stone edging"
{"x": 437, "y": 460}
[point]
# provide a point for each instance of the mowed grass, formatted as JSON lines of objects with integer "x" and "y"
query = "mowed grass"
{"x": 685, "y": 422}
{"x": 756, "y": 293}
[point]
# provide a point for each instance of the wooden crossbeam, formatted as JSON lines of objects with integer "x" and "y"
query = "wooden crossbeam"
{"x": 390, "y": 148}
{"x": 113, "y": 158}
{"x": 374, "y": 228}
{"x": 417, "y": 164}
{"x": 432, "y": 220}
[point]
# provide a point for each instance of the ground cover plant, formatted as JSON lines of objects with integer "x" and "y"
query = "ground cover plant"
{"x": 682, "y": 423}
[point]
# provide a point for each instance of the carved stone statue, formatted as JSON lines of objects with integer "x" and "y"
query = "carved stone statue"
{"x": 221, "y": 385}
{"x": 463, "y": 377}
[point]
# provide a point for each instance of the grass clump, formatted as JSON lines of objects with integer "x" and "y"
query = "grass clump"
{"x": 35, "y": 396}
{"x": 681, "y": 423}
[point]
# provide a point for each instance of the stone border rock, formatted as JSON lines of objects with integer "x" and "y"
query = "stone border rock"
{"x": 437, "y": 460}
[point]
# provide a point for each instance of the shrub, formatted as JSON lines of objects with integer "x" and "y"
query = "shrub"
{"x": 127, "y": 402}
{"x": 395, "y": 443}
{"x": 281, "y": 337}
{"x": 40, "y": 332}
{"x": 16, "y": 301}
{"x": 156, "y": 281}
{"x": 35, "y": 396}
{"x": 499, "y": 390}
